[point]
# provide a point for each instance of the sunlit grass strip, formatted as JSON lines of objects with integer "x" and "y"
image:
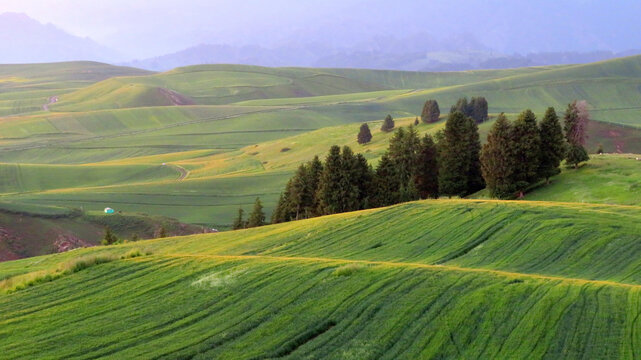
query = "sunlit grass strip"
{"x": 24, "y": 281}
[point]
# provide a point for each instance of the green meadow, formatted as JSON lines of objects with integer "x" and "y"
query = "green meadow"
{"x": 431, "y": 279}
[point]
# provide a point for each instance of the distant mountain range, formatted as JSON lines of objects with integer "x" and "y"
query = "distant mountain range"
{"x": 39, "y": 43}
{"x": 383, "y": 56}
{"x": 25, "y": 40}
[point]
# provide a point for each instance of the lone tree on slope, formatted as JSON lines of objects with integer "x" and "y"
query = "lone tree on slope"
{"x": 388, "y": 124}
{"x": 364, "y": 134}
{"x": 431, "y": 112}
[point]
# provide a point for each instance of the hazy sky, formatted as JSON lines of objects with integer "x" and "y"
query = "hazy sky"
{"x": 142, "y": 28}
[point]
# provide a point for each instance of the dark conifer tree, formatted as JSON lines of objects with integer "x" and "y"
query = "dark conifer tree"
{"x": 109, "y": 238}
{"x": 386, "y": 187}
{"x": 526, "y": 147}
{"x": 427, "y": 169}
{"x": 461, "y": 106}
{"x": 163, "y": 232}
{"x": 416, "y": 121}
{"x": 388, "y": 124}
{"x": 431, "y": 112}
{"x": 553, "y": 146}
{"x": 454, "y": 155}
{"x": 299, "y": 195}
{"x": 257, "y": 216}
{"x": 239, "y": 223}
{"x": 315, "y": 169}
{"x": 403, "y": 151}
{"x": 278, "y": 215}
{"x": 329, "y": 185}
{"x": 497, "y": 160}
{"x": 576, "y": 119}
{"x": 364, "y": 134}
{"x": 478, "y": 109}
{"x": 348, "y": 190}
{"x": 475, "y": 180}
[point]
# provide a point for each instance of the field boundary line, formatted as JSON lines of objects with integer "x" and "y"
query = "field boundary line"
{"x": 501, "y": 273}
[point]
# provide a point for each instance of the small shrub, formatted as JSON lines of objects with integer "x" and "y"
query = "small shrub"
{"x": 285, "y": 149}
{"x": 348, "y": 270}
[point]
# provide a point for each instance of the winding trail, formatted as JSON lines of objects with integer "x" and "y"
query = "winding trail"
{"x": 183, "y": 172}
{"x": 52, "y": 100}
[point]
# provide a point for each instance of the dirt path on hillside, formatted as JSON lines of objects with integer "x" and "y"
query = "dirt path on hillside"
{"x": 52, "y": 100}
{"x": 183, "y": 172}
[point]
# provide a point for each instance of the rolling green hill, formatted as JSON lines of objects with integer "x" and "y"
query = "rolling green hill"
{"x": 29, "y": 88}
{"x": 434, "y": 279}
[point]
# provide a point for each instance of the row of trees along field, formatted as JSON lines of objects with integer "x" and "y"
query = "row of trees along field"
{"x": 516, "y": 156}
{"x": 475, "y": 109}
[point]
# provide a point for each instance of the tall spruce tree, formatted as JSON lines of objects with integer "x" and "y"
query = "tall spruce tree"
{"x": 431, "y": 112}
{"x": 461, "y": 106}
{"x": 348, "y": 190}
{"x": 475, "y": 180}
{"x": 329, "y": 184}
{"x": 364, "y": 134}
{"x": 388, "y": 124}
{"x": 497, "y": 159}
{"x": 455, "y": 157}
{"x": 257, "y": 216}
{"x": 239, "y": 223}
{"x": 553, "y": 145}
{"x": 315, "y": 169}
{"x": 278, "y": 215}
{"x": 526, "y": 147}
{"x": 403, "y": 151}
{"x": 478, "y": 109}
{"x": 386, "y": 187}
{"x": 576, "y": 118}
{"x": 426, "y": 177}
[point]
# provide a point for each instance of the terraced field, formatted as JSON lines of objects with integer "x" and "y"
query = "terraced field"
{"x": 432, "y": 279}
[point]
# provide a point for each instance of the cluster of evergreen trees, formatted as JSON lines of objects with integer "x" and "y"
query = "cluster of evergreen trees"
{"x": 517, "y": 155}
{"x": 520, "y": 154}
{"x": 476, "y": 108}
{"x": 346, "y": 182}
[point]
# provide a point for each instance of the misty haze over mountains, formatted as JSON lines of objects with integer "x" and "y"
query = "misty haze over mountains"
{"x": 341, "y": 41}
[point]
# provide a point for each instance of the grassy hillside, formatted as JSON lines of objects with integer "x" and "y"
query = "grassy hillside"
{"x": 28, "y": 88}
{"x": 210, "y": 85}
{"x": 437, "y": 279}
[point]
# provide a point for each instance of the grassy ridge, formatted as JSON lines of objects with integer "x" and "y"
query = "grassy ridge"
{"x": 352, "y": 286}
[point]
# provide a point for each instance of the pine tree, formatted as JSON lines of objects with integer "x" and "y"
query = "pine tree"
{"x": 163, "y": 232}
{"x": 363, "y": 176}
{"x": 497, "y": 160}
{"x": 239, "y": 223}
{"x": 257, "y": 216}
{"x": 386, "y": 187}
{"x": 478, "y": 109}
{"x": 431, "y": 112}
{"x": 109, "y": 238}
{"x": 526, "y": 147}
{"x": 416, "y": 121}
{"x": 599, "y": 149}
{"x": 328, "y": 188}
{"x": 475, "y": 180}
{"x": 427, "y": 169}
{"x": 278, "y": 215}
{"x": 461, "y": 106}
{"x": 388, "y": 124}
{"x": 454, "y": 155}
{"x": 315, "y": 169}
{"x": 553, "y": 146}
{"x": 576, "y": 119}
{"x": 403, "y": 151}
{"x": 364, "y": 134}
